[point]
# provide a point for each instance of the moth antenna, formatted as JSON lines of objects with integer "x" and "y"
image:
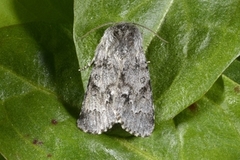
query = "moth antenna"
{"x": 151, "y": 31}
{"x": 110, "y": 23}
{"x": 105, "y": 24}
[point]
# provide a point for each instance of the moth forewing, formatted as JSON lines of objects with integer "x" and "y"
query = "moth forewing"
{"x": 119, "y": 89}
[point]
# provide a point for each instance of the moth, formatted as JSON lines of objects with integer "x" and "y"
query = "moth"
{"x": 119, "y": 89}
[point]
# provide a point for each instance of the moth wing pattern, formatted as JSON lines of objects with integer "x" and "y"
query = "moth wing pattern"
{"x": 137, "y": 114}
{"x": 97, "y": 113}
{"x": 119, "y": 88}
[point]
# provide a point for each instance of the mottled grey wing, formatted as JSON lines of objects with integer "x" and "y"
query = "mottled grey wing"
{"x": 97, "y": 113}
{"x": 137, "y": 115}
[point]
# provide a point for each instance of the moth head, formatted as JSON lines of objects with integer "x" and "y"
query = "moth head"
{"x": 124, "y": 34}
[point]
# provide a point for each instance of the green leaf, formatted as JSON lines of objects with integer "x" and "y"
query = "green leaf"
{"x": 209, "y": 128}
{"x": 195, "y": 78}
{"x": 233, "y": 71}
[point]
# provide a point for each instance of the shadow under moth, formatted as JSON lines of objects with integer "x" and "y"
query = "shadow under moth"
{"x": 119, "y": 89}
